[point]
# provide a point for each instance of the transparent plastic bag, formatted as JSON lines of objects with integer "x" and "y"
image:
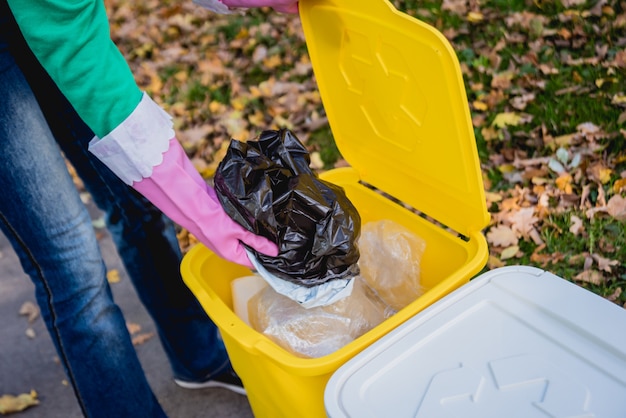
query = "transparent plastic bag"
{"x": 318, "y": 331}
{"x": 390, "y": 262}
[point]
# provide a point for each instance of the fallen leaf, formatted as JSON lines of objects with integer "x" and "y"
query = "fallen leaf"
{"x": 99, "y": 223}
{"x": 133, "y": 328}
{"x": 576, "y": 226}
{"x": 556, "y": 166}
{"x": 316, "y": 161}
{"x": 616, "y": 207}
{"x": 491, "y": 197}
{"x": 30, "y": 310}
{"x": 535, "y": 236}
{"x": 590, "y": 276}
{"x": 494, "y": 262}
{"x": 502, "y": 236}
{"x": 523, "y": 220}
{"x": 600, "y": 173}
{"x": 113, "y": 276}
{"x": 564, "y": 183}
{"x": 475, "y": 17}
{"x": 616, "y": 294}
{"x": 10, "y": 404}
{"x": 619, "y": 185}
{"x": 489, "y": 134}
{"x": 30, "y": 333}
{"x": 507, "y": 118}
{"x": 142, "y": 338}
{"x": 604, "y": 264}
{"x": 509, "y": 252}
{"x": 479, "y": 105}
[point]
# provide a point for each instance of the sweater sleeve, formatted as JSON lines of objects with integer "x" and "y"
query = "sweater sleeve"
{"x": 71, "y": 40}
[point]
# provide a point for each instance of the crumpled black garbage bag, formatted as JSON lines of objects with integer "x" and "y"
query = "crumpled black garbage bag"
{"x": 267, "y": 187}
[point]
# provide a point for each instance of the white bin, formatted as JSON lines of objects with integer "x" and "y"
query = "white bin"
{"x": 516, "y": 342}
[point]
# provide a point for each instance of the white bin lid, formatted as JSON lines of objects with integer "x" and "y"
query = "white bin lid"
{"x": 516, "y": 342}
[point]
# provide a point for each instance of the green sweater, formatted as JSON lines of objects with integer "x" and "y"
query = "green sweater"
{"x": 71, "y": 40}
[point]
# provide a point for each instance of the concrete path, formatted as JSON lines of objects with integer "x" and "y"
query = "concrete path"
{"x": 29, "y": 362}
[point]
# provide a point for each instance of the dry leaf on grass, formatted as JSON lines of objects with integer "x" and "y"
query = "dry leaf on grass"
{"x": 509, "y": 252}
{"x": 576, "y": 226}
{"x": 523, "y": 220}
{"x": 502, "y": 236}
{"x": 604, "y": 264}
{"x": 494, "y": 262}
{"x": 616, "y": 207}
{"x": 590, "y": 276}
{"x": 10, "y": 404}
{"x": 616, "y": 294}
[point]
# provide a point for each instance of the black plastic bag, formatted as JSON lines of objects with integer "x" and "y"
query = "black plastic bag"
{"x": 267, "y": 187}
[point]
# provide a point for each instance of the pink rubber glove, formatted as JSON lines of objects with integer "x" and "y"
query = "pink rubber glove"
{"x": 178, "y": 190}
{"x": 222, "y": 6}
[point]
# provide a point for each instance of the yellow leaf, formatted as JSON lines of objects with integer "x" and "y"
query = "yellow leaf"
{"x": 478, "y": 105}
{"x": 506, "y": 168}
{"x": 272, "y": 62}
{"x": 619, "y": 185}
{"x": 600, "y": 173}
{"x": 216, "y": 107}
{"x": 509, "y": 252}
{"x": 507, "y": 118}
{"x": 604, "y": 175}
{"x": 257, "y": 118}
{"x": 564, "y": 183}
{"x": 493, "y": 197}
{"x": 494, "y": 262}
{"x": 475, "y": 17}
{"x": 10, "y": 404}
{"x": 238, "y": 103}
{"x": 489, "y": 134}
{"x": 564, "y": 140}
{"x": 181, "y": 76}
{"x": 600, "y": 81}
{"x": 316, "y": 161}
{"x": 113, "y": 276}
{"x": 619, "y": 99}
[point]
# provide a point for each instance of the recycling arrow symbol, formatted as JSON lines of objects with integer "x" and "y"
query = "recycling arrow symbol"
{"x": 561, "y": 397}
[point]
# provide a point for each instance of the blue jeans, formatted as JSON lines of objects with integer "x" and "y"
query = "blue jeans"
{"x": 50, "y": 229}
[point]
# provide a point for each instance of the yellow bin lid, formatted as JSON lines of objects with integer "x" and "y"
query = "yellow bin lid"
{"x": 396, "y": 103}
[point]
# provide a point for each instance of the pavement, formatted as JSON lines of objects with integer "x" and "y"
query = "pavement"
{"x": 28, "y": 360}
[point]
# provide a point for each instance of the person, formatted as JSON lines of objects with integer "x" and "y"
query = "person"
{"x": 67, "y": 92}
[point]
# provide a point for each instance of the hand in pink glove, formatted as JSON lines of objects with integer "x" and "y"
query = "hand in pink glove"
{"x": 179, "y": 191}
{"x": 223, "y": 6}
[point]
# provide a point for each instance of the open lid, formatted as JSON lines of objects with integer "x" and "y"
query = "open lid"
{"x": 516, "y": 342}
{"x": 395, "y": 99}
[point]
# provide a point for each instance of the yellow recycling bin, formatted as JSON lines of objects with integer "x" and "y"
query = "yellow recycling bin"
{"x": 394, "y": 95}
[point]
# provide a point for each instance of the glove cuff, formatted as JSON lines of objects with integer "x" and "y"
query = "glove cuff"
{"x": 136, "y": 146}
{"x": 215, "y": 6}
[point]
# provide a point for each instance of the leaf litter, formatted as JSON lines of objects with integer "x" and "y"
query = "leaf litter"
{"x": 544, "y": 84}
